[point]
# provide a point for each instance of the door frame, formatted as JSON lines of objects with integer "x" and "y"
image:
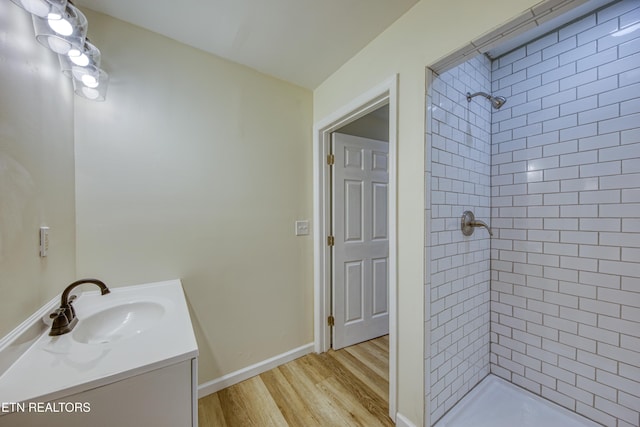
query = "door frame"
{"x": 382, "y": 94}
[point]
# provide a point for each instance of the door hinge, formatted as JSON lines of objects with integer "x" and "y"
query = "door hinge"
{"x": 331, "y": 240}
{"x": 331, "y": 159}
{"x": 331, "y": 321}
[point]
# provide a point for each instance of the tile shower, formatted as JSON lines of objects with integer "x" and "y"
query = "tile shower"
{"x": 552, "y": 301}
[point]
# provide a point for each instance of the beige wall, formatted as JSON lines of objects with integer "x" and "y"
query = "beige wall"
{"x": 429, "y": 31}
{"x": 197, "y": 168}
{"x": 36, "y": 171}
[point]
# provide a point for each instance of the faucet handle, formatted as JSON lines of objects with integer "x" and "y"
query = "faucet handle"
{"x": 469, "y": 221}
{"x": 57, "y": 313}
{"x": 60, "y": 322}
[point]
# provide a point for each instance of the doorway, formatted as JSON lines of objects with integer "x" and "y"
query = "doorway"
{"x": 379, "y": 96}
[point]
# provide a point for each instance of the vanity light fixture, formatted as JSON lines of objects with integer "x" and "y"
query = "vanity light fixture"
{"x": 42, "y": 8}
{"x": 62, "y": 27}
{"x": 62, "y": 32}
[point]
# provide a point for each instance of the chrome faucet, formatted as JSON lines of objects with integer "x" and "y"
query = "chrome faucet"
{"x": 64, "y": 318}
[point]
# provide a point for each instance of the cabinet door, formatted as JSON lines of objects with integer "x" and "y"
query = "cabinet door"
{"x": 159, "y": 398}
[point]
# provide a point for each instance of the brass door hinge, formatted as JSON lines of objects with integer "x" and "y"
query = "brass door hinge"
{"x": 331, "y": 240}
{"x": 331, "y": 159}
{"x": 331, "y": 321}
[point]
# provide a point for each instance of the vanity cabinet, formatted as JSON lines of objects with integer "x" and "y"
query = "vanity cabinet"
{"x": 165, "y": 397}
{"x": 131, "y": 360}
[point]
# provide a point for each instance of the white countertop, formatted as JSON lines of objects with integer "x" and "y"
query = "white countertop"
{"x": 55, "y": 367}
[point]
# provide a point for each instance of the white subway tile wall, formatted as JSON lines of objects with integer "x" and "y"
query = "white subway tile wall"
{"x": 565, "y": 259}
{"x": 459, "y": 176}
{"x": 562, "y": 188}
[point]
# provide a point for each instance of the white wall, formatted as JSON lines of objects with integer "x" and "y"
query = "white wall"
{"x": 427, "y": 32}
{"x": 566, "y": 210}
{"x": 459, "y": 178}
{"x": 36, "y": 171}
{"x": 196, "y": 168}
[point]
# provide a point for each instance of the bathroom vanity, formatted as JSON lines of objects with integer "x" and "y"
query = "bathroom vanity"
{"x": 131, "y": 359}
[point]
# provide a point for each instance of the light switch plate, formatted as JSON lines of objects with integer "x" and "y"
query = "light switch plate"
{"x": 302, "y": 228}
{"x": 44, "y": 241}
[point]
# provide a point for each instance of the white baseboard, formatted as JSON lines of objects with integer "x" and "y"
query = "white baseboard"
{"x": 402, "y": 421}
{"x": 228, "y": 380}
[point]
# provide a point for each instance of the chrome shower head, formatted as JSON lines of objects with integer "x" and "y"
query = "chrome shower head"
{"x": 496, "y": 101}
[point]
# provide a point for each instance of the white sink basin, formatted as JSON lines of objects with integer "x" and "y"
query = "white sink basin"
{"x": 118, "y": 322}
{"x": 129, "y": 332}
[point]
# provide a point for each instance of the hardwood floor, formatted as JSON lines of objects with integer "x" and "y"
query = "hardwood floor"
{"x": 348, "y": 387}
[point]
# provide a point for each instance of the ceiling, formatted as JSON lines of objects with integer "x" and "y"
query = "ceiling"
{"x": 300, "y": 41}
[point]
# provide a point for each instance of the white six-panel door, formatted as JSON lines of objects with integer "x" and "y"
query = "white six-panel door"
{"x": 361, "y": 242}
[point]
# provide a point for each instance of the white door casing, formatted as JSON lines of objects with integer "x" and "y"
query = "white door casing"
{"x": 361, "y": 236}
{"x": 386, "y": 92}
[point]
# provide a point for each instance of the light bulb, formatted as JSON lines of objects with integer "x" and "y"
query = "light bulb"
{"x": 60, "y": 25}
{"x": 81, "y": 60}
{"x": 92, "y": 86}
{"x": 90, "y": 93}
{"x": 90, "y": 81}
{"x": 57, "y": 45}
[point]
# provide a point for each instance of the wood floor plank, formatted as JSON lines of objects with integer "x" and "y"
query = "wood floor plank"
{"x": 360, "y": 415}
{"x": 323, "y": 407}
{"x": 294, "y": 408}
{"x": 358, "y": 389}
{"x": 210, "y": 412}
{"x": 344, "y": 388}
{"x": 233, "y": 407}
{"x": 315, "y": 367}
{"x": 372, "y": 356}
{"x": 361, "y": 371}
{"x": 382, "y": 342}
{"x": 259, "y": 411}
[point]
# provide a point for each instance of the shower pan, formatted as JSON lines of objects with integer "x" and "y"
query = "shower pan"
{"x": 497, "y": 403}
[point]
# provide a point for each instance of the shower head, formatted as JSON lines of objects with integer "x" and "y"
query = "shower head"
{"x": 496, "y": 101}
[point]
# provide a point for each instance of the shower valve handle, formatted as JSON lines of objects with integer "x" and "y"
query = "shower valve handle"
{"x": 468, "y": 222}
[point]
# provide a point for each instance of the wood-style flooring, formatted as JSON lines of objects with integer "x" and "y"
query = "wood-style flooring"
{"x": 348, "y": 387}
